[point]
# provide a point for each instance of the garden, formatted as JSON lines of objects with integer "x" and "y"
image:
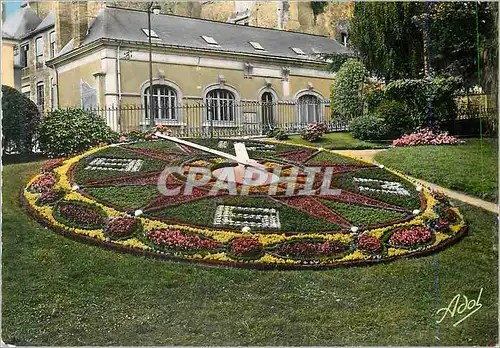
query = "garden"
{"x": 124, "y": 239}
{"x": 110, "y": 195}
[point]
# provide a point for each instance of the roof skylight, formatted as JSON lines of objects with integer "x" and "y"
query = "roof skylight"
{"x": 298, "y": 51}
{"x": 209, "y": 40}
{"x": 257, "y": 46}
{"x": 152, "y": 33}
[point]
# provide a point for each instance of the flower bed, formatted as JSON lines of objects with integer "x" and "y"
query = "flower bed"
{"x": 426, "y": 137}
{"x": 257, "y": 230}
{"x": 121, "y": 228}
{"x": 410, "y": 237}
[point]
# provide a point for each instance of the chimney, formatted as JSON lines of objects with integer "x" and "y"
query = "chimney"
{"x": 64, "y": 23}
{"x": 80, "y": 22}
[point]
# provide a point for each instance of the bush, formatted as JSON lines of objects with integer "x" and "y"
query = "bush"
{"x": 368, "y": 128}
{"x": 65, "y": 132}
{"x": 416, "y": 93}
{"x": 20, "y": 121}
{"x": 374, "y": 98}
{"x": 277, "y": 133}
{"x": 397, "y": 118}
{"x": 314, "y": 131}
{"x": 347, "y": 92}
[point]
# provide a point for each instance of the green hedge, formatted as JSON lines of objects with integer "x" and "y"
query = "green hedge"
{"x": 369, "y": 128}
{"x": 20, "y": 121}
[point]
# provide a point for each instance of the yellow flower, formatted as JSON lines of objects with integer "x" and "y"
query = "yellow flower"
{"x": 356, "y": 255}
{"x": 396, "y": 252}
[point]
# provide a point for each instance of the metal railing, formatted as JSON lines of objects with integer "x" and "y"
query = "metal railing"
{"x": 221, "y": 118}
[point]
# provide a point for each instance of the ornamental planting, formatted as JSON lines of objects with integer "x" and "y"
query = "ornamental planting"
{"x": 325, "y": 210}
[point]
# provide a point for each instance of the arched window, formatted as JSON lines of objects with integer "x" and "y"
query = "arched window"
{"x": 267, "y": 108}
{"x": 221, "y": 105}
{"x": 309, "y": 108}
{"x": 164, "y": 103}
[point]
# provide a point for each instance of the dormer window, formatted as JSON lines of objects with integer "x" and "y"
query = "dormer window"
{"x": 210, "y": 40}
{"x": 257, "y": 46}
{"x": 152, "y": 33}
{"x": 343, "y": 38}
{"x": 298, "y": 51}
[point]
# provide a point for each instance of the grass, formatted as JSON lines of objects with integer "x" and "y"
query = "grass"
{"x": 337, "y": 141}
{"x": 57, "y": 291}
{"x": 471, "y": 168}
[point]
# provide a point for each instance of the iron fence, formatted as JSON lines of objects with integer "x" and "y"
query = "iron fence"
{"x": 219, "y": 118}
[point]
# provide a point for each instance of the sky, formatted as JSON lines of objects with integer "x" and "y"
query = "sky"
{"x": 12, "y": 7}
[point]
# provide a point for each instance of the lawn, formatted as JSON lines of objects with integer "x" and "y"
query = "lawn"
{"x": 337, "y": 141}
{"x": 57, "y": 291}
{"x": 471, "y": 168}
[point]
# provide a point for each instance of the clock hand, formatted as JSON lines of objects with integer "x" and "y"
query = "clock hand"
{"x": 241, "y": 153}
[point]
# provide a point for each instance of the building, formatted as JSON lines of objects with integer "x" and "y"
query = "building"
{"x": 33, "y": 41}
{"x": 91, "y": 55}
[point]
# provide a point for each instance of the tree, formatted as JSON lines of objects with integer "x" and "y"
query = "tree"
{"x": 387, "y": 39}
{"x": 347, "y": 95}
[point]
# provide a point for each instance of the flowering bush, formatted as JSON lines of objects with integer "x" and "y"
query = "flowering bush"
{"x": 277, "y": 133}
{"x": 246, "y": 246}
{"x": 122, "y": 227}
{"x": 82, "y": 215}
{"x": 314, "y": 131}
{"x": 175, "y": 239}
{"x": 308, "y": 250}
{"x": 410, "y": 236}
{"x": 369, "y": 244}
{"x": 426, "y": 137}
{"x": 44, "y": 183}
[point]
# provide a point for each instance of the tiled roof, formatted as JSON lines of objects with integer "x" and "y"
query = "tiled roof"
{"x": 21, "y": 22}
{"x": 127, "y": 24}
{"x": 47, "y": 22}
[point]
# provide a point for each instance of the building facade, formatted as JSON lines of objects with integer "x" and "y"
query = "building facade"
{"x": 92, "y": 55}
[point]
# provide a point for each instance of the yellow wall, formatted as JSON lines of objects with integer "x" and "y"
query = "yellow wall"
{"x": 8, "y": 63}
{"x": 69, "y": 83}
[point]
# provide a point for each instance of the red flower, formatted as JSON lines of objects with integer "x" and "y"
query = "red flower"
{"x": 175, "y": 239}
{"x": 43, "y": 183}
{"x": 369, "y": 244}
{"x": 122, "y": 227}
{"x": 246, "y": 246}
{"x": 410, "y": 236}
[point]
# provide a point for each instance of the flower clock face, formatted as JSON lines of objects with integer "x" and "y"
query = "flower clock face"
{"x": 163, "y": 198}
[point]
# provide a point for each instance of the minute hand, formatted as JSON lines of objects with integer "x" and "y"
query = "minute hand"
{"x": 246, "y": 162}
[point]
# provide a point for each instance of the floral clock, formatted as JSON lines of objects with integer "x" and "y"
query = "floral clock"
{"x": 110, "y": 196}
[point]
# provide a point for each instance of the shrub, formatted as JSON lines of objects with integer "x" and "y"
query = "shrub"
{"x": 277, "y": 133}
{"x": 415, "y": 93}
{"x": 314, "y": 131}
{"x": 65, "y": 132}
{"x": 426, "y": 137}
{"x": 368, "y": 128}
{"x": 374, "y": 98}
{"x": 20, "y": 121}
{"x": 347, "y": 91}
{"x": 397, "y": 118}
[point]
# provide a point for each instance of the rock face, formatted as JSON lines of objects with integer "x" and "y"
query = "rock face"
{"x": 286, "y": 15}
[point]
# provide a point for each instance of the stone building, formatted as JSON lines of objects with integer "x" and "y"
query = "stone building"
{"x": 91, "y": 54}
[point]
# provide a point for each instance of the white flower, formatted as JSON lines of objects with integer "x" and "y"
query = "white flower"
{"x": 354, "y": 229}
{"x": 138, "y": 212}
{"x": 245, "y": 229}
{"x": 418, "y": 188}
{"x": 416, "y": 212}
{"x": 320, "y": 148}
{"x": 381, "y": 166}
{"x": 75, "y": 187}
